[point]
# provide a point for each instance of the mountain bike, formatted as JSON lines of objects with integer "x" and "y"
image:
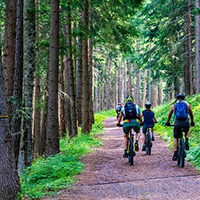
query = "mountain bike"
{"x": 148, "y": 142}
{"x": 130, "y": 149}
{"x": 181, "y": 154}
{"x": 130, "y": 146}
{"x": 181, "y": 150}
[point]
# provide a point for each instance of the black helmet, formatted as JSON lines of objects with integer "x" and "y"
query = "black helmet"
{"x": 148, "y": 104}
{"x": 180, "y": 96}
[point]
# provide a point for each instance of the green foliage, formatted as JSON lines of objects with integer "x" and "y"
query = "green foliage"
{"x": 161, "y": 112}
{"x": 47, "y": 176}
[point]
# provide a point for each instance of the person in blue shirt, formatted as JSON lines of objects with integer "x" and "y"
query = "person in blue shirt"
{"x": 148, "y": 122}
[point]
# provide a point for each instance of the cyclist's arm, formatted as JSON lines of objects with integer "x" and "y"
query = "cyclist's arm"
{"x": 120, "y": 118}
{"x": 191, "y": 113}
{"x": 154, "y": 118}
{"x": 170, "y": 113}
{"x": 140, "y": 117}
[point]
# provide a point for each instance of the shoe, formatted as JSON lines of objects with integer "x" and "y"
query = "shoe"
{"x": 125, "y": 154}
{"x": 136, "y": 146}
{"x": 187, "y": 146}
{"x": 175, "y": 156}
{"x": 144, "y": 147}
{"x": 153, "y": 139}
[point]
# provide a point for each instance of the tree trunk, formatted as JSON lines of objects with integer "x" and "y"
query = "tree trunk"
{"x": 125, "y": 65}
{"x": 144, "y": 88}
{"x": 79, "y": 81}
{"x": 197, "y": 49}
{"x": 25, "y": 154}
{"x": 62, "y": 119}
{"x": 9, "y": 179}
{"x": 119, "y": 84}
{"x": 108, "y": 91}
{"x": 9, "y": 50}
{"x": 52, "y": 137}
{"x": 86, "y": 76}
{"x": 67, "y": 91}
{"x": 37, "y": 118}
{"x": 150, "y": 87}
{"x": 71, "y": 74}
{"x": 91, "y": 82}
{"x": 130, "y": 79}
{"x": 18, "y": 82}
{"x": 91, "y": 117}
{"x": 160, "y": 92}
{"x": 102, "y": 89}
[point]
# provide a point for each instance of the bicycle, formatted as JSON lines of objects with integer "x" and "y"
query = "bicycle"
{"x": 181, "y": 154}
{"x": 148, "y": 142}
{"x": 130, "y": 149}
{"x": 130, "y": 146}
{"x": 181, "y": 150}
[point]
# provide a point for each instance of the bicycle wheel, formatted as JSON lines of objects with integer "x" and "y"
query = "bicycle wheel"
{"x": 178, "y": 156}
{"x": 131, "y": 152}
{"x": 148, "y": 143}
{"x": 182, "y": 153}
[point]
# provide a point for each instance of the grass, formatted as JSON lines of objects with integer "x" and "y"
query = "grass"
{"x": 161, "y": 113}
{"x": 48, "y": 176}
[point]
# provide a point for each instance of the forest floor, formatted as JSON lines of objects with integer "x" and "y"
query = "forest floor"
{"x": 108, "y": 176}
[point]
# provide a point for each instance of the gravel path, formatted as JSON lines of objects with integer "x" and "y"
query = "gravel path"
{"x": 108, "y": 176}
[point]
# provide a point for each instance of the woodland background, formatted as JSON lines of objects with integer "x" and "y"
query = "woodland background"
{"x": 61, "y": 61}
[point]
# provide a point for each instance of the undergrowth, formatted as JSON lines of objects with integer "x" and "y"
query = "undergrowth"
{"x": 161, "y": 113}
{"x": 48, "y": 176}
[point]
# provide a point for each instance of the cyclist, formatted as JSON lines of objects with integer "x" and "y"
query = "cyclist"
{"x": 149, "y": 122}
{"x": 132, "y": 119}
{"x": 181, "y": 121}
{"x": 118, "y": 109}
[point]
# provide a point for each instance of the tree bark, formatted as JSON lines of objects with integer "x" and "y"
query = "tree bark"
{"x": 197, "y": 49}
{"x": 71, "y": 74}
{"x": 25, "y": 154}
{"x": 86, "y": 76}
{"x": 130, "y": 79}
{"x": 144, "y": 88}
{"x": 9, "y": 50}
{"x": 18, "y": 82}
{"x": 9, "y": 179}
{"x": 52, "y": 137}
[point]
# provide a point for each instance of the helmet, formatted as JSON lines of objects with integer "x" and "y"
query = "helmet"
{"x": 148, "y": 104}
{"x": 129, "y": 98}
{"x": 180, "y": 96}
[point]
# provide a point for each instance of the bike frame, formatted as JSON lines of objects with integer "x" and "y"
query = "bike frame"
{"x": 148, "y": 141}
{"x": 181, "y": 150}
{"x": 130, "y": 149}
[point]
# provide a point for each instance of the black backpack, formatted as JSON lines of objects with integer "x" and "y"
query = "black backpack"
{"x": 130, "y": 110}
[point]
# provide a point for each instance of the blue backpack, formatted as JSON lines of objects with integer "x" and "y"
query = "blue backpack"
{"x": 181, "y": 110}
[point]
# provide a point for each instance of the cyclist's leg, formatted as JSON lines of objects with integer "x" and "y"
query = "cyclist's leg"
{"x": 176, "y": 132}
{"x": 136, "y": 128}
{"x": 144, "y": 130}
{"x": 187, "y": 134}
{"x": 125, "y": 141}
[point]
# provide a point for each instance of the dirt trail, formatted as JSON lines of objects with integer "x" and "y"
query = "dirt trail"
{"x": 108, "y": 176}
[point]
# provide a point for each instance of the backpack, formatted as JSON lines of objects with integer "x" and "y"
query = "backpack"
{"x": 181, "y": 110}
{"x": 118, "y": 108}
{"x": 130, "y": 110}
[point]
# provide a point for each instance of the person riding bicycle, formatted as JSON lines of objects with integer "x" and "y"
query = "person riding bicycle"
{"x": 132, "y": 119}
{"x": 149, "y": 122}
{"x": 181, "y": 109}
{"x": 118, "y": 109}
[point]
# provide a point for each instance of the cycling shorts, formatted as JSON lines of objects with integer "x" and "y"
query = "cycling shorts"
{"x": 145, "y": 126}
{"x": 177, "y": 129}
{"x": 128, "y": 125}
